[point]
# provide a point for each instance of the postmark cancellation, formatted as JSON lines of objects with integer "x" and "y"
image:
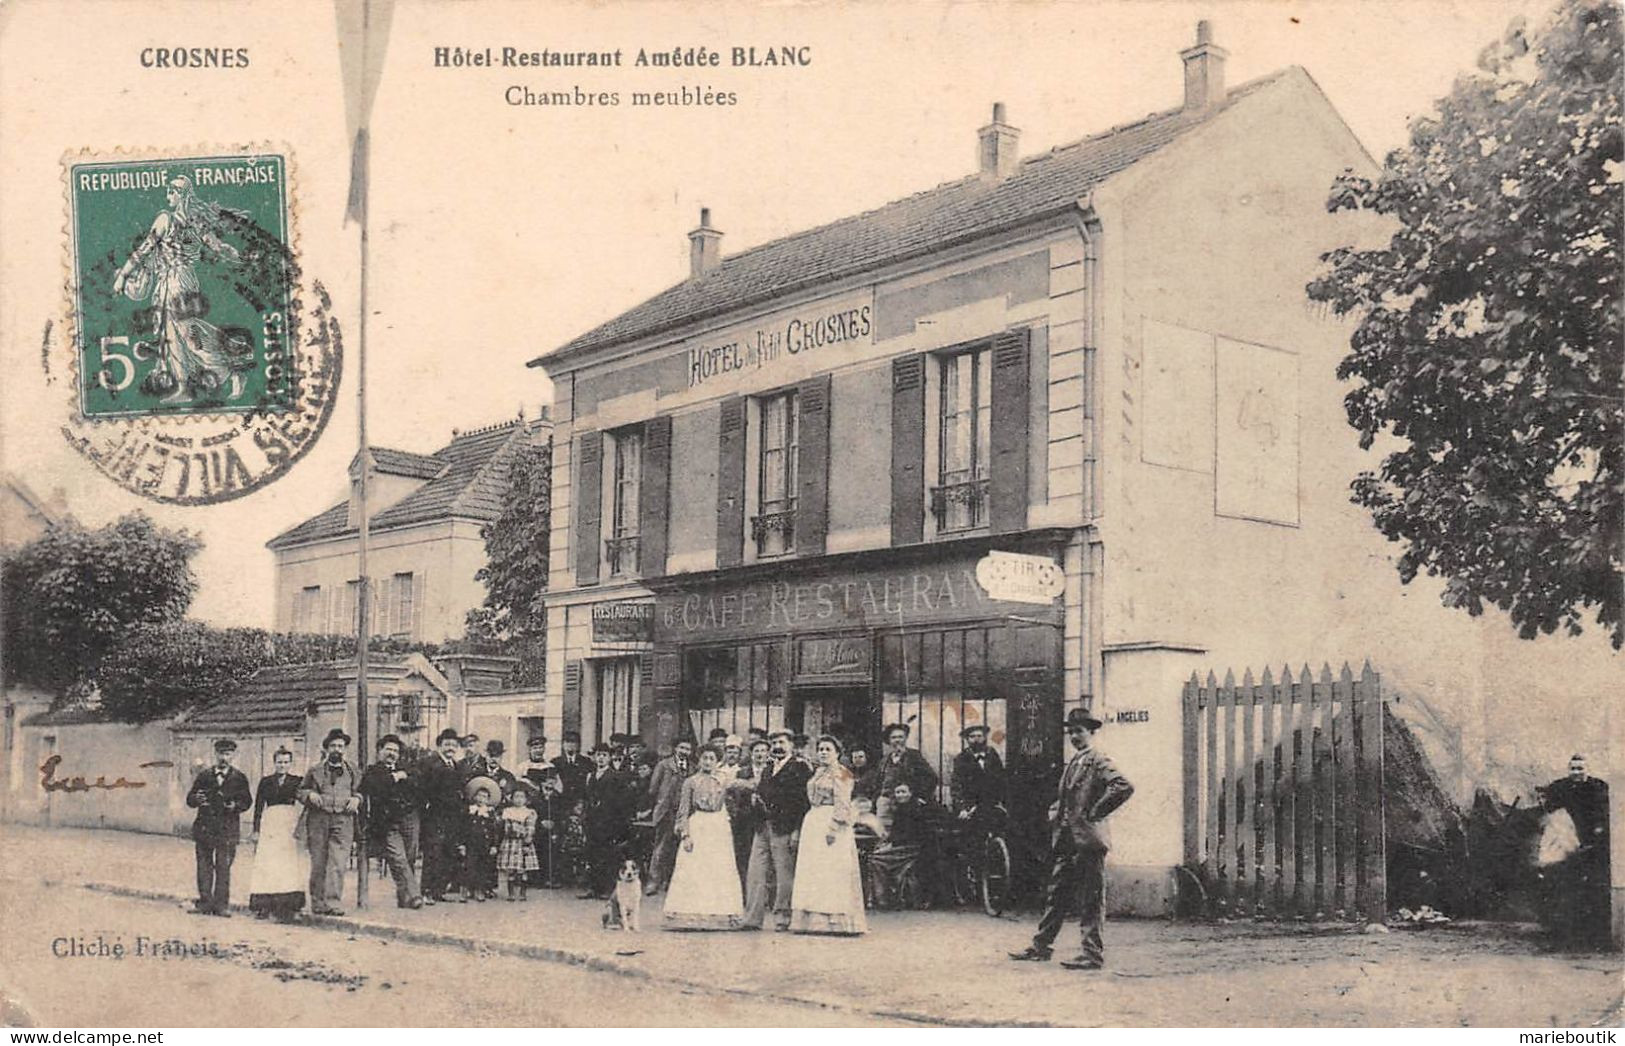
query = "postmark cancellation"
{"x": 204, "y": 364}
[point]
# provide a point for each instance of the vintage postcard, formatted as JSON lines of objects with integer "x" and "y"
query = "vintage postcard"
{"x": 934, "y": 514}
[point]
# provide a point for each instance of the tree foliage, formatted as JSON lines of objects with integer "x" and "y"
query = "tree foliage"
{"x": 516, "y": 565}
{"x": 1490, "y": 337}
{"x": 160, "y": 669}
{"x": 73, "y": 594}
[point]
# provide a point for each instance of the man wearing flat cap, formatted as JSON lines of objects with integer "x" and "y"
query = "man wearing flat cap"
{"x": 219, "y": 795}
{"x": 332, "y": 795}
{"x": 1090, "y": 789}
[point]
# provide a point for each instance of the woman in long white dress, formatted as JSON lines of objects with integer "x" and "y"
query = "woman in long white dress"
{"x": 281, "y": 868}
{"x": 705, "y": 893}
{"x": 828, "y": 894}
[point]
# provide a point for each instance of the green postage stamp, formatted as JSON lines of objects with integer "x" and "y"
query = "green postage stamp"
{"x": 203, "y": 368}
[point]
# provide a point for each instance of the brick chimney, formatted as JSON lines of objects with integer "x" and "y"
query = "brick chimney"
{"x": 997, "y": 152}
{"x": 1204, "y": 70}
{"x": 704, "y": 246}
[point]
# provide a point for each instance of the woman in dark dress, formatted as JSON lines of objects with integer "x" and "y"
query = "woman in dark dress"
{"x": 277, "y": 885}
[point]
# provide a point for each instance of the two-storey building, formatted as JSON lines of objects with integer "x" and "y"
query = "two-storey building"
{"x": 1053, "y": 435}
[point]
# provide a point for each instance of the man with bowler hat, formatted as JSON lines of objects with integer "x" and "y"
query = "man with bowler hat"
{"x": 392, "y": 817}
{"x": 440, "y": 789}
{"x": 219, "y": 795}
{"x": 1090, "y": 789}
{"x": 332, "y": 795}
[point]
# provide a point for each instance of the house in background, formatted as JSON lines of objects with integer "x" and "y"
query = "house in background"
{"x": 24, "y": 515}
{"x": 425, "y": 516}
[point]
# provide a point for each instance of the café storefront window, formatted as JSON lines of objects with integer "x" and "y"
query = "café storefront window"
{"x": 734, "y": 687}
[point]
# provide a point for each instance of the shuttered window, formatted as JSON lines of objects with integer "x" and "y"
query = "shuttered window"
{"x": 964, "y": 433}
{"x": 402, "y": 604}
{"x": 588, "y": 505}
{"x": 908, "y": 450}
{"x": 655, "y": 497}
{"x": 621, "y": 548}
{"x": 731, "y": 483}
{"x": 774, "y": 527}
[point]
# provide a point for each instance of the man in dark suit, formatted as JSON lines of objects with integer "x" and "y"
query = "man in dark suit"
{"x": 506, "y": 781}
{"x": 978, "y": 782}
{"x": 780, "y": 802}
{"x": 440, "y": 788}
{"x": 393, "y": 818}
{"x": 608, "y": 804}
{"x": 664, "y": 789}
{"x": 219, "y": 795}
{"x": 1090, "y": 789}
{"x": 574, "y": 768}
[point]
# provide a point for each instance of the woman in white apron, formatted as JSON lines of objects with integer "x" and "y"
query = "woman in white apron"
{"x": 281, "y": 867}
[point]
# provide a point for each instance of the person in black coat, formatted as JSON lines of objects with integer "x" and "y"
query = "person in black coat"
{"x": 220, "y": 795}
{"x": 608, "y": 807}
{"x": 440, "y": 789}
{"x": 393, "y": 818}
{"x": 979, "y": 785}
{"x": 780, "y": 802}
{"x": 1577, "y": 914}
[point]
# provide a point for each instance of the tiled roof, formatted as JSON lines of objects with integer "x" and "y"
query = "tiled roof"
{"x": 470, "y": 481}
{"x": 273, "y": 701}
{"x": 1042, "y": 185}
{"x": 405, "y": 463}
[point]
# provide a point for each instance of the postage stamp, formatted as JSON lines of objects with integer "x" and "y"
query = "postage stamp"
{"x": 203, "y": 367}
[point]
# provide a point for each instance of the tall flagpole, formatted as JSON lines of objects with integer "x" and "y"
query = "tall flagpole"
{"x": 363, "y": 625}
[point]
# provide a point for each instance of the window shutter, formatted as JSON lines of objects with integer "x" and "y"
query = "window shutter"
{"x": 908, "y": 449}
{"x": 572, "y": 695}
{"x": 731, "y": 483}
{"x": 812, "y": 466}
{"x": 1008, "y": 469}
{"x": 653, "y": 496}
{"x": 589, "y": 505}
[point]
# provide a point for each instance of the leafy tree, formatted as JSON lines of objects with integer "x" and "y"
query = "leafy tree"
{"x": 73, "y": 594}
{"x": 1490, "y": 336}
{"x": 160, "y": 669}
{"x": 516, "y": 565}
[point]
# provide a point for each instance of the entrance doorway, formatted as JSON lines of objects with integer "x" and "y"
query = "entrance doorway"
{"x": 849, "y": 712}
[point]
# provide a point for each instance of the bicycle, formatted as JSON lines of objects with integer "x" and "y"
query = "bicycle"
{"x": 982, "y": 867}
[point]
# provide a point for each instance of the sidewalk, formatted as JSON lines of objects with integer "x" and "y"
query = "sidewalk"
{"x": 950, "y": 967}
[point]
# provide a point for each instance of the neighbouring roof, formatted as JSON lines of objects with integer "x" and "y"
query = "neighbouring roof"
{"x": 274, "y": 700}
{"x": 394, "y": 462}
{"x": 1043, "y": 185}
{"x": 470, "y": 478}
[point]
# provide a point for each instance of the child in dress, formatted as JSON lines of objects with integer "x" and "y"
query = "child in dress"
{"x": 482, "y": 834}
{"x": 516, "y": 858}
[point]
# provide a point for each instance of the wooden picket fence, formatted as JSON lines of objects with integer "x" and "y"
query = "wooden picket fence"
{"x": 1283, "y": 794}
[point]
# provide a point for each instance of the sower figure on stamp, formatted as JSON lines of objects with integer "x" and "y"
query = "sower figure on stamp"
{"x": 219, "y": 795}
{"x": 332, "y": 794}
{"x": 1090, "y": 789}
{"x": 392, "y": 817}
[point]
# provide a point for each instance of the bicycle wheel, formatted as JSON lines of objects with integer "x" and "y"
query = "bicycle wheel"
{"x": 995, "y": 876}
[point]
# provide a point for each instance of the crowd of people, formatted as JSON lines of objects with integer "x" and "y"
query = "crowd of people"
{"x": 733, "y": 831}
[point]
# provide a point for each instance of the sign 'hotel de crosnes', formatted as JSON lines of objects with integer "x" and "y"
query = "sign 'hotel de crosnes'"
{"x": 1023, "y": 442}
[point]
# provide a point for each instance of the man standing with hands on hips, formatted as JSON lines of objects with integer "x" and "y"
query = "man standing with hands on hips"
{"x": 332, "y": 791}
{"x": 1091, "y": 788}
{"x": 219, "y": 795}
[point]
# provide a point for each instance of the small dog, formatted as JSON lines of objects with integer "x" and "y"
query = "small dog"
{"x": 626, "y": 901}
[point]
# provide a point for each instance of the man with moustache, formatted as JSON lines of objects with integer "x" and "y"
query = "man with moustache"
{"x": 440, "y": 790}
{"x": 607, "y": 808}
{"x": 573, "y": 767}
{"x": 219, "y": 795}
{"x": 332, "y": 796}
{"x": 392, "y": 817}
{"x": 779, "y": 803}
